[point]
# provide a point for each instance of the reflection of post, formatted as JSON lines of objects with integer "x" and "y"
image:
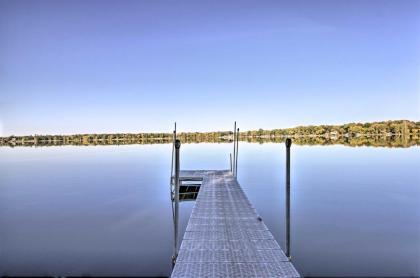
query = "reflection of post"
{"x": 231, "y": 169}
{"x": 176, "y": 200}
{"x": 288, "y": 145}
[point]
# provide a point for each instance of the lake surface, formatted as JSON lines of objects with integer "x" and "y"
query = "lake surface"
{"x": 106, "y": 210}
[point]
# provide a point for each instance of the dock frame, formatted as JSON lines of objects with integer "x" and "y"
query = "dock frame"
{"x": 225, "y": 237}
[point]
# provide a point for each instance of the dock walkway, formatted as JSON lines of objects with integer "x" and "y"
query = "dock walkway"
{"x": 225, "y": 237}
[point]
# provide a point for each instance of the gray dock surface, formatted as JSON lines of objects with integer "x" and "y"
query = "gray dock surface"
{"x": 225, "y": 238}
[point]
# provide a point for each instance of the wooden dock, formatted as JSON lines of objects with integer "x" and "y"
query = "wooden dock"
{"x": 225, "y": 237}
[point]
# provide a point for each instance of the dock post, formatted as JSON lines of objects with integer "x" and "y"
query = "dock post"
{"x": 172, "y": 161}
{"x": 234, "y": 147}
{"x": 176, "y": 199}
{"x": 237, "y": 151}
{"x": 288, "y": 145}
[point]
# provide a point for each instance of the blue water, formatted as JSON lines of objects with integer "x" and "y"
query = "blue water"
{"x": 105, "y": 210}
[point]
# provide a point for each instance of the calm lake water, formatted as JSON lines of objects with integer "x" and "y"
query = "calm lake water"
{"x": 105, "y": 210}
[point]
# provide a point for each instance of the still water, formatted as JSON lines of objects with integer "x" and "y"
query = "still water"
{"x": 106, "y": 210}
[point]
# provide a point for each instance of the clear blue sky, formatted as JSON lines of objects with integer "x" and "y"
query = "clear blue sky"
{"x": 132, "y": 66}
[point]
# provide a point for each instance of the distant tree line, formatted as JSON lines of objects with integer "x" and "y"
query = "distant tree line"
{"x": 402, "y": 133}
{"x": 387, "y": 128}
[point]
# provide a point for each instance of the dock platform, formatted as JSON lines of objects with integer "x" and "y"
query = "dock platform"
{"x": 225, "y": 237}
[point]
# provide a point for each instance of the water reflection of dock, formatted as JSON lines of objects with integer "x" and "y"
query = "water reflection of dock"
{"x": 225, "y": 237}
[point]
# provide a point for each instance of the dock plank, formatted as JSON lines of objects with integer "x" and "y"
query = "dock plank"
{"x": 225, "y": 237}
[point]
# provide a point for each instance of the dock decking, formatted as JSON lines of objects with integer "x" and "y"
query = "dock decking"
{"x": 225, "y": 236}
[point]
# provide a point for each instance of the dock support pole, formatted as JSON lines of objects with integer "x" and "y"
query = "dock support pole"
{"x": 288, "y": 145}
{"x": 176, "y": 199}
{"x": 237, "y": 148}
{"x": 234, "y": 148}
{"x": 172, "y": 161}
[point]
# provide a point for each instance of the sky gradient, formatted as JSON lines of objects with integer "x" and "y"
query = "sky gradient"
{"x": 137, "y": 66}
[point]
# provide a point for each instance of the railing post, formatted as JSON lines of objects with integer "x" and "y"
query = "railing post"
{"x": 172, "y": 161}
{"x": 234, "y": 148}
{"x": 237, "y": 151}
{"x": 288, "y": 145}
{"x": 176, "y": 198}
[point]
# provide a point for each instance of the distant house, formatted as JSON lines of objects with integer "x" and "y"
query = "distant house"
{"x": 333, "y": 134}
